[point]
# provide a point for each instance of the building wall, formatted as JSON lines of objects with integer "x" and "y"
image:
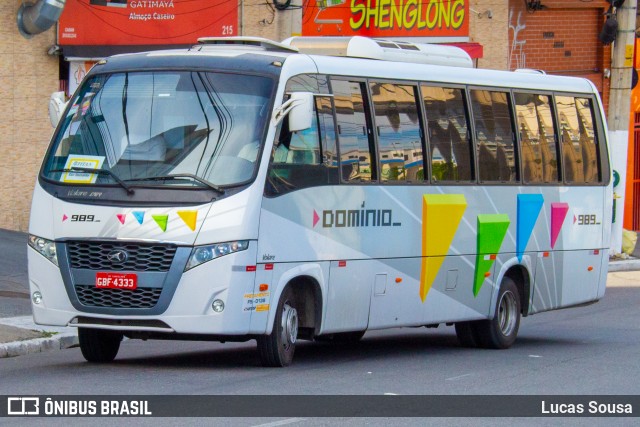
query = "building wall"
{"x": 561, "y": 39}
{"x": 260, "y": 18}
{"x": 28, "y": 76}
{"x": 492, "y": 33}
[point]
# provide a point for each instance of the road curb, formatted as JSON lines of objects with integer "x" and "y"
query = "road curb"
{"x": 58, "y": 337}
{"x": 38, "y": 345}
{"x": 624, "y": 265}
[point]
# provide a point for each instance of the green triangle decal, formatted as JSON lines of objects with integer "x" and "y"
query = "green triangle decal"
{"x": 491, "y": 231}
{"x": 161, "y": 220}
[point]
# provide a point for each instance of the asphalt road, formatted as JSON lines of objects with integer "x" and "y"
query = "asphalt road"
{"x": 587, "y": 350}
{"x": 14, "y": 289}
{"x": 581, "y": 351}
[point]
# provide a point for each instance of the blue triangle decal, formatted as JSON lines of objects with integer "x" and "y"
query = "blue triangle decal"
{"x": 139, "y": 215}
{"x": 529, "y": 206}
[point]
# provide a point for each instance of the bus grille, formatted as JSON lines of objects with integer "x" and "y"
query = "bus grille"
{"x": 91, "y": 296}
{"x": 94, "y": 256}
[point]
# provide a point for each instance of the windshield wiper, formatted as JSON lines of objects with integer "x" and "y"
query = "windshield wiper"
{"x": 97, "y": 172}
{"x": 178, "y": 176}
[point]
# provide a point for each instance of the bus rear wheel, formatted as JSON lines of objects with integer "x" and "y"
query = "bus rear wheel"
{"x": 501, "y": 331}
{"x": 277, "y": 348}
{"x": 99, "y": 345}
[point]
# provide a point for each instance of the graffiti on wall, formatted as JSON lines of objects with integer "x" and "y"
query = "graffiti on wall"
{"x": 517, "y": 56}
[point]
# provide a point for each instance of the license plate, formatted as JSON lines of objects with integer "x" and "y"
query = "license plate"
{"x": 128, "y": 281}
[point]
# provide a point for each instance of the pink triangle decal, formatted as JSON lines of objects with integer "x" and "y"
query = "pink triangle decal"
{"x": 316, "y": 218}
{"x": 64, "y": 217}
{"x": 558, "y": 214}
{"x": 574, "y": 219}
{"x": 121, "y": 218}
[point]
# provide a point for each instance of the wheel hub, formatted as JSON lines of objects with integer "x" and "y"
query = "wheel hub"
{"x": 289, "y": 325}
{"x": 507, "y": 313}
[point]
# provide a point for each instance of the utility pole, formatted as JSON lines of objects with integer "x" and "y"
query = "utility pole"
{"x": 619, "y": 106}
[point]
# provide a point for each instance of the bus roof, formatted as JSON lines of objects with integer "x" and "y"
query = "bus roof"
{"x": 252, "y": 54}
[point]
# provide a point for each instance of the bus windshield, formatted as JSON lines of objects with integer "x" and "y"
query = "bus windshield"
{"x": 137, "y": 126}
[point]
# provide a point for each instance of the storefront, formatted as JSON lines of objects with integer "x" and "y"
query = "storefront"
{"x": 89, "y": 31}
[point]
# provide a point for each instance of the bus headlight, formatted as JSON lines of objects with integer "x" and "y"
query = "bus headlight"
{"x": 46, "y": 248}
{"x": 202, "y": 254}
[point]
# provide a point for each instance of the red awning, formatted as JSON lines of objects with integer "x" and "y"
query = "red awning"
{"x": 473, "y": 49}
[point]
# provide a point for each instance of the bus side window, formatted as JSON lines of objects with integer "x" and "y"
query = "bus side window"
{"x": 448, "y": 128}
{"x": 538, "y": 149}
{"x": 298, "y": 160}
{"x": 494, "y": 136}
{"x": 398, "y": 129}
{"x": 579, "y": 144}
{"x": 356, "y": 151}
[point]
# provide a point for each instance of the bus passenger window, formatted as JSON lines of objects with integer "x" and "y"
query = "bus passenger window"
{"x": 494, "y": 136}
{"x": 356, "y": 152}
{"x": 538, "y": 150}
{"x": 579, "y": 144}
{"x": 448, "y": 129}
{"x": 398, "y": 128}
{"x": 299, "y": 160}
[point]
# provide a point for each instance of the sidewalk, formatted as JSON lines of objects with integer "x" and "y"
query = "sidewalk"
{"x": 19, "y": 335}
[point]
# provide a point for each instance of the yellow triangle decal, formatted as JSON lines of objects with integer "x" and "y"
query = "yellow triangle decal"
{"x": 441, "y": 216}
{"x": 189, "y": 218}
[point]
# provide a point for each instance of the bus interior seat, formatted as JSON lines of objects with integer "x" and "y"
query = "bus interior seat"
{"x": 487, "y": 163}
{"x": 589, "y": 157}
{"x": 549, "y": 169}
{"x": 504, "y": 171}
{"x": 462, "y": 153}
{"x": 531, "y": 169}
{"x": 142, "y": 148}
{"x": 573, "y": 170}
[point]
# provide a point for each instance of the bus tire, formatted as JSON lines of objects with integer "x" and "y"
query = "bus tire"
{"x": 277, "y": 348}
{"x": 501, "y": 331}
{"x": 467, "y": 334}
{"x": 99, "y": 345}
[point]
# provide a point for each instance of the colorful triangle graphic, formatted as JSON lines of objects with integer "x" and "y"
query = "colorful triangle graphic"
{"x": 64, "y": 217}
{"x": 529, "y": 206}
{"x": 491, "y": 231}
{"x": 316, "y": 218}
{"x": 161, "y": 220}
{"x": 558, "y": 215}
{"x": 190, "y": 218}
{"x": 121, "y": 218}
{"x": 441, "y": 216}
{"x": 139, "y": 216}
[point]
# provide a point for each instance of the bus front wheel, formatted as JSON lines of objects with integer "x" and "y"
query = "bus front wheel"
{"x": 501, "y": 331}
{"x": 99, "y": 345}
{"x": 277, "y": 348}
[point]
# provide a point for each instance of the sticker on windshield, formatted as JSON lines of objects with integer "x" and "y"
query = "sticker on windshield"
{"x": 91, "y": 162}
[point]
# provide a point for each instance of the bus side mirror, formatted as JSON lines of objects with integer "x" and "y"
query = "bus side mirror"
{"x": 57, "y": 105}
{"x": 301, "y": 114}
{"x": 299, "y": 108}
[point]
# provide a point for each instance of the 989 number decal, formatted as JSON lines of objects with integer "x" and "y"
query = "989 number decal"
{"x": 588, "y": 220}
{"x": 83, "y": 218}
